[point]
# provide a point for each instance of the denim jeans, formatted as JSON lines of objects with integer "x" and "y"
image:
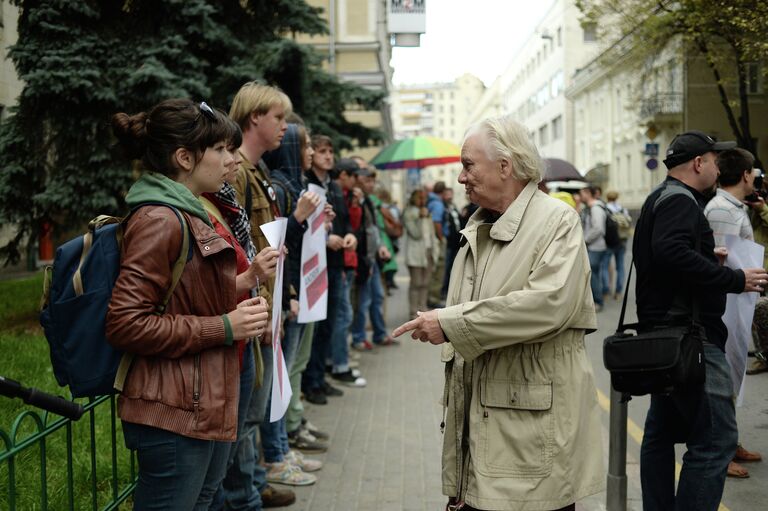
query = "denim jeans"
{"x": 329, "y": 336}
{"x": 246, "y": 478}
{"x": 247, "y": 377}
{"x": 339, "y": 348}
{"x": 597, "y": 262}
{"x": 274, "y": 436}
{"x": 175, "y": 472}
{"x": 706, "y": 421}
{"x": 618, "y": 254}
{"x": 370, "y": 301}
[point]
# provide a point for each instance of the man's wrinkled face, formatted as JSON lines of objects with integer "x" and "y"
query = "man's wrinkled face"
{"x": 480, "y": 175}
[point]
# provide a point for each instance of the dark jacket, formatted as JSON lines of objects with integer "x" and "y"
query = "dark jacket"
{"x": 340, "y": 226}
{"x": 285, "y": 171}
{"x": 669, "y": 269}
{"x": 184, "y": 377}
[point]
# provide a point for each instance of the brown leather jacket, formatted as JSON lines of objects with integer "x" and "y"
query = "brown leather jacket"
{"x": 184, "y": 378}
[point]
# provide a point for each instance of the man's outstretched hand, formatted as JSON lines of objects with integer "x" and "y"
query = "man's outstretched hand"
{"x": 425, "y": 328}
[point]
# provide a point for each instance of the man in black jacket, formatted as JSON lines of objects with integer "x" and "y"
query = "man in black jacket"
{"x": 671, "y": 273}
{"x": 330, "y": 339}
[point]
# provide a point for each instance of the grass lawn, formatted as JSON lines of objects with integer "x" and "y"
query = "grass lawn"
{"x": 25, "y": 358}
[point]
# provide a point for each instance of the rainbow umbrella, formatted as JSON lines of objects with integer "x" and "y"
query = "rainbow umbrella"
{"x": 417, "y": 153}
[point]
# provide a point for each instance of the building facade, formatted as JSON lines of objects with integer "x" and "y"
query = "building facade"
{"x": 532, "y": 87}
{"x": 358, "y": 49}
{"x": 442, "y": 110}
{"x": 627, "y": 112}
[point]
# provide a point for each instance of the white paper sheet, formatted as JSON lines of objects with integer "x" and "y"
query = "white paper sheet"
{"x": 313, "y": 292}
{"x": 281, "y": 387}
{"x": 739, "y": 310}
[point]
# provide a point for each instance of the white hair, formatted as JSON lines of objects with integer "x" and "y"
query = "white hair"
{"x": 505, "y": 138}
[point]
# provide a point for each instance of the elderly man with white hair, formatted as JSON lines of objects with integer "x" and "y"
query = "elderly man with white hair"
{"x": 522, "y": 425}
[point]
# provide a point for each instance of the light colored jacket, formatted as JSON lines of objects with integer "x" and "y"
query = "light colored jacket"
{"x": 519, "y": 304}
{"x": 593, "y": 221}
{"x": 420, "y": 238}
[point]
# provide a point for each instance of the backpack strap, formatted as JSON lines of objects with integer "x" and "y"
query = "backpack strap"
{"x": 99, "y": 221}
{"x": 178, "y": 269}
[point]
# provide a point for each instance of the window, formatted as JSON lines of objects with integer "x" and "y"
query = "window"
{"x": 590, "y": 32}
{"x": 559, "y": 36}
{"x": 556, "y": 84}
{"x": 557, "y": 128}
{"x": 543, "y": 139}
{"x": 619, "y": 106}
{"x": 753, "y": 78}
{"x": 672, "y": 76}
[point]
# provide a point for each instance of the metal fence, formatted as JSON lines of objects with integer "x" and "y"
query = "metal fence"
{"x": 44, "y": 473}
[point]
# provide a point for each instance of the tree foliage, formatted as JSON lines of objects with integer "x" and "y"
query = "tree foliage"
{"x": 83, "y": 60}
{"x": 729, "y": 34}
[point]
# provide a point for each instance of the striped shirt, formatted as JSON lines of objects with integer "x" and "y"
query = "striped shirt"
{"x": 728, "y": 215}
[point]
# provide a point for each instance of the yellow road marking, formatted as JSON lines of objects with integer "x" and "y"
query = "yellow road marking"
{"x": 636, "y": 433}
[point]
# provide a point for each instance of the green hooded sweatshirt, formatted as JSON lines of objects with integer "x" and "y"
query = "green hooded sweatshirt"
{"x": 157, "y": 188}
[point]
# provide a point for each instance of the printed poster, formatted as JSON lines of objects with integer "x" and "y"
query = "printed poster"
{"x": 313, "y": 292}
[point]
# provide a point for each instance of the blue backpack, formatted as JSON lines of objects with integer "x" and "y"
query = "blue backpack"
{"x": 75, "y": 302}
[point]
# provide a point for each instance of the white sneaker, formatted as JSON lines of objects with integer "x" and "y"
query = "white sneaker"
{"x": 305, "y": 464}
{"x": 288, "y": 473}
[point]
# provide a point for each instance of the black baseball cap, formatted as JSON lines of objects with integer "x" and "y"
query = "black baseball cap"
{"x": 347, "y": 165}
{"x": 689, "y": 145}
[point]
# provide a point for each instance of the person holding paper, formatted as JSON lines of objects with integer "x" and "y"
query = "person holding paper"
{"x": 727, "y": 215}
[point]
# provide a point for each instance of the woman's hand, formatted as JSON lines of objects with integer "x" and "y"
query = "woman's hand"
{"x": 264, "y": 264}
{"x": 250, "y": 319}
{"x": 306, "y": 205}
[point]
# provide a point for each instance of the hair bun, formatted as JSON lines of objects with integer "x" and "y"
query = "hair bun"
{"x": 131, "y": 133}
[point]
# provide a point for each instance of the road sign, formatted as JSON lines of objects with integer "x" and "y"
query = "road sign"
{"x": 651, "y": 149}
{"x": 652, "y": 164}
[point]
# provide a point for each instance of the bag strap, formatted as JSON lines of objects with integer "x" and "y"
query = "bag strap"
{"x": 178, "y": 269}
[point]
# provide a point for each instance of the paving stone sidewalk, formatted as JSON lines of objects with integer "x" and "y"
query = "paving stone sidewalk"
{"x": 385, "y": 438}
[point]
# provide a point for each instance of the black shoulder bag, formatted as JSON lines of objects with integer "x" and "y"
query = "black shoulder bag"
{"x": 660, "y": 360}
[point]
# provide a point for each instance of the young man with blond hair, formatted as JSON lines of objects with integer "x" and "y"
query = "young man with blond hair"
{"x": 260, "y": 111}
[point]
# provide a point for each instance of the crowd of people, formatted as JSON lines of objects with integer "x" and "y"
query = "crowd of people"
{"x": 197, "y": 398}
{"x": 196, "y": 401}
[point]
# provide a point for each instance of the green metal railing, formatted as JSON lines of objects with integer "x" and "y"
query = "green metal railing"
{"x": 66, "y": 475}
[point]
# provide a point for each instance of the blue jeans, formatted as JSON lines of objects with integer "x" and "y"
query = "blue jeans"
{"x": 370, "y": 299}
{"x": 274, "y": 436}
{"x": 330, "y": 338}
{"x": 598, "y": 260}
{"x": 618, "y": 254}
{"x": 339, "y": 349}
{"x": 706, "y": 421}
{"x": 175, "y": 472}
{"x": 246, "y": 478}
{"x": 247, "y": 377}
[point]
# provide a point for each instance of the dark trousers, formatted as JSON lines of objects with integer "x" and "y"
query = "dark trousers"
{"x": 706, "y": 422}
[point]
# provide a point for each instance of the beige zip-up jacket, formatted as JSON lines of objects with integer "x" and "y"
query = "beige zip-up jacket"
{"x": 522, "y": 424}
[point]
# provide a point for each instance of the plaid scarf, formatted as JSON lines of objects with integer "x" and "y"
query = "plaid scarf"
{"x": 237, "y": 218}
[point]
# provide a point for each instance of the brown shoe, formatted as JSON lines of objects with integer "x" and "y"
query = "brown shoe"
{"x": 757, "y": 366}
{"x": 736, "y": 470}
{"x": 744, "y": 455}
{"x": 272, "y": 497}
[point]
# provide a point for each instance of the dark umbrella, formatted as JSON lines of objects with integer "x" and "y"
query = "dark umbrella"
{"x": 556, "y": 169}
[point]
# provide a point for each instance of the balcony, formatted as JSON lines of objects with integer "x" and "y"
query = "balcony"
{"x": 667, "y": 104}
